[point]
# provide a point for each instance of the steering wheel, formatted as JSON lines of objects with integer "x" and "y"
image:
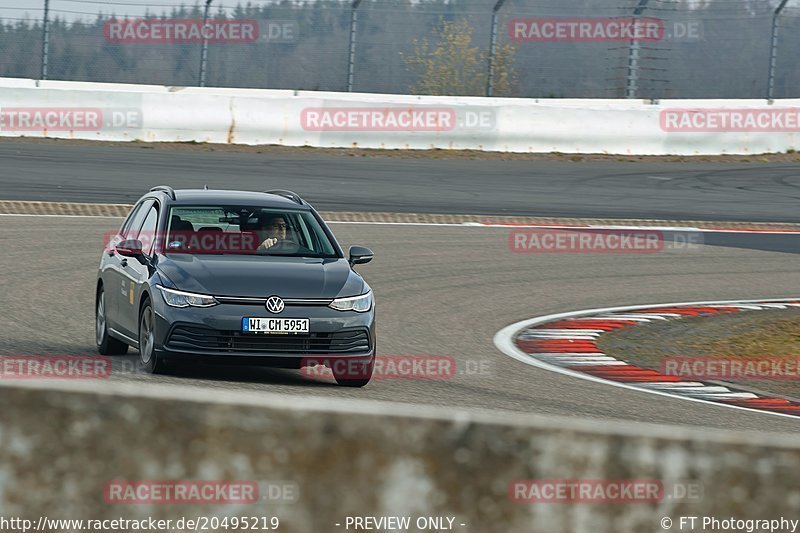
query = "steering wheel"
{"x": 284, "y": 246}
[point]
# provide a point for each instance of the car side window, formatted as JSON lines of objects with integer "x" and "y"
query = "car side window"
{"x": 132, "y": 229}
{"x": 148, "y": 232}
{"x": 305, "y": 236}
{"x": 131, "y": 216}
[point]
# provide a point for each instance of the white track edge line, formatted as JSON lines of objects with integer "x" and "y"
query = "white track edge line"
{"x": 55, "y": 216}
{"x": 665, "y": 229}
{"x": 503, "y": 340}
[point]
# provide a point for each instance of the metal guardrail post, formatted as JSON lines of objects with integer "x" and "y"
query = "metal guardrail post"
{"x": 773, "y": 51}
{"x": 632, "y": 84}
{"x": 45, "y": 40}
{"x": 493, "y": 48}
{"x": 204, "y": 48}
{"x": 351, "y": 49}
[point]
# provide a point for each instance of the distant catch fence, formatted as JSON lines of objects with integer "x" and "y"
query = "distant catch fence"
{"x": 645, "y": 49}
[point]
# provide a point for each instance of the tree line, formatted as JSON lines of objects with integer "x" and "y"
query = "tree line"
{"x": 433, "y": 47}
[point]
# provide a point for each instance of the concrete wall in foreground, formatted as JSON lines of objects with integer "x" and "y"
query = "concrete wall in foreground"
{"x": 320, "y": 119}
{"x": 60, "y": 446}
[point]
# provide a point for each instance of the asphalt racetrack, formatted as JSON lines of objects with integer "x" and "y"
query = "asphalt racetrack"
{"x": 693, "y": 190}
{"x": 441, "y": 290}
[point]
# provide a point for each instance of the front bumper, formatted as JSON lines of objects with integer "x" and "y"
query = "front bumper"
{"x": 216, "y": 332}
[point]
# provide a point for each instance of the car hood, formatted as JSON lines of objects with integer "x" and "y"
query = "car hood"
{"x": 261, "y": 276}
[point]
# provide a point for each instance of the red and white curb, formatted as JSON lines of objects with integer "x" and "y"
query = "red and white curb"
{"x": 567, "y": 343}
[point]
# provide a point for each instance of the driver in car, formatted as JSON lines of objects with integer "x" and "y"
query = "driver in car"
{"x": 273, "y": 232}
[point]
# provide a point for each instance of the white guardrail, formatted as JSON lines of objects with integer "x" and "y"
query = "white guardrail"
{"x": 118, "y": 112}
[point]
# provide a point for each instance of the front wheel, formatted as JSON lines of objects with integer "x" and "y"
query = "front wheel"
{"x": 353, "y": 373}
{"x": 149, "y": 359}
{"x": 106, "y": 344}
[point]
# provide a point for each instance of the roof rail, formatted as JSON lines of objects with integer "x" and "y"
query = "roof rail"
{"x": 287, "y": 194}
{"x": 164, "y": 188}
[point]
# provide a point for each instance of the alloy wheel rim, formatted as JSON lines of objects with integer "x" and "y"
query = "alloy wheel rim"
{"x": 146, "y": 338}
{"x": 100, "y": 322}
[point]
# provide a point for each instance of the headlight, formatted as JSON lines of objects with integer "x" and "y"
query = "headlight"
{"x": 186, "y": 299}
{"x": 360, "y": 304}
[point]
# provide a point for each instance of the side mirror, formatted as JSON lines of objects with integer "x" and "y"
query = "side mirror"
{"x": 130, "y": 248}
{"x": 360, "y": 255}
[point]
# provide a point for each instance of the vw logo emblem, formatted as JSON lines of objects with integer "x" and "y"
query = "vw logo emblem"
{"x": 275, "y": 305}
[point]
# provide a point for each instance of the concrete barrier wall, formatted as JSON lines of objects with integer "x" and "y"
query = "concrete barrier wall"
{"x": 62, "y": 442}
{"x": 256, "y": 116}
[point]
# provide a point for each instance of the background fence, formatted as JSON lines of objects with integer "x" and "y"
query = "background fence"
{"x": 706, "y": 49}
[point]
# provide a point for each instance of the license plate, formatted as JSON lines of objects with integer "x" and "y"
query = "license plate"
{"x": 275, "y": 325}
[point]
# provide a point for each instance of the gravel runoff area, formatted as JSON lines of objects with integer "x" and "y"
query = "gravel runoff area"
{"x": 784, "y": 157}
{"x": 743, "y": 336}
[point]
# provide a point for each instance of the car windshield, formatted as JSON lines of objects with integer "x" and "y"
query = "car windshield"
{"x": 246, "y": 230}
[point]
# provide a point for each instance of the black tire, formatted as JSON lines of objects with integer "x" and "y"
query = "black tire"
{"x": 106, "y": 344}
{"x": 355, "y": 374}
{"x": 149, "y": 360}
